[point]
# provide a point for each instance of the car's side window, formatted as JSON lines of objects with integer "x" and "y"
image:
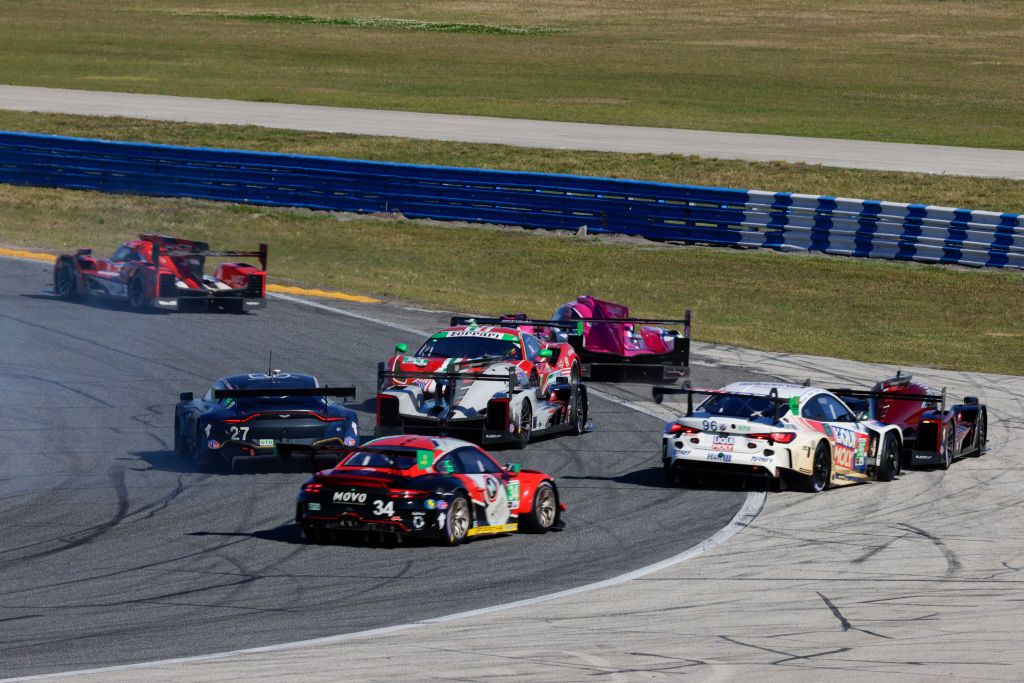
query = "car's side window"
{"x": 532, "y": 345}
{"x": 836, "y": 411}
{"x": 814, "y": 409}
{"x": 123, "y": 253}
{"x": 447, "y": 465}
{"x": 475, "y": 462}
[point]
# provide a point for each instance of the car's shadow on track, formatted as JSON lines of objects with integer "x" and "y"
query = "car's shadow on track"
{"x": 291, "y": 534}
{"x": 654, "y": 477}
{"x": 169, "y": 461}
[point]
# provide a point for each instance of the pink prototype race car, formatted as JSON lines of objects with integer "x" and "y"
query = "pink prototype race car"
{"x": 611, "y": 345}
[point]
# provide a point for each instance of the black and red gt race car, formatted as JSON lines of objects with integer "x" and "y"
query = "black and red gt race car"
{"x": 156, "y": 271}
{"x": 432, "y": 487}
{"x": 933, "y": 433}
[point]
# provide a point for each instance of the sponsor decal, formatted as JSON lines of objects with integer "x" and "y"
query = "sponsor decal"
{"x": 761, "y": 458}
{"x": 720, "y": 457}
{"x": 476, "y": 333}
{"x": 412, "y": 360}
{"x": 440, "y": 520}
{"x": 742, "y": 428}
{"x": 682, "y": 453}
{"x": 264, "y": 443}
{"x": 722, "y": 443}
{"x": 418, "y": 522}
{"x": 349, "y": 441}
{"x": 493, "y": 529}
{"x": 442, "y": 505}
{"x": 313, "y": 507}
{"x": 847, "y": 444}
{"x": 349, "y": 497}
{"x": 380, "y": 508}
{"x": 490, "y": 488}
{"x": 513, "y": 494}
{"x": 495, "y": 498}
{"x": 213, "y": 443}
{"x": 430, "y": 503}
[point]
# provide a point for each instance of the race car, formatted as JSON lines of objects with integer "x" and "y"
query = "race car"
{"x": 805, "y": 436}
{"x": 932, "y": 435}
{"x": 248, "y": 416}
{"x": 432, "y": 487}
{"x": 484, "y": 383}
{"x": 610, "y": 344}
{"x": 159, "y": 272}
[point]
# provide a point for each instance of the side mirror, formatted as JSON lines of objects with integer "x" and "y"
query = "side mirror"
{"x": 971, "y": 400}
{"x": 83, "y": 252}
{"x": 863, "y": 415}
{"x": 546, "y": 353}
{"x": 513, "y": 468}
{"x": 401, "y": 348}
{"x": 185, "y": 396}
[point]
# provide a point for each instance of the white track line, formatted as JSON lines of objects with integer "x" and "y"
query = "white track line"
{"x": 747, "y": 513}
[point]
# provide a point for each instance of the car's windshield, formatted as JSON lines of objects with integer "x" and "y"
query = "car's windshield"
{"x": 747, "y": 407}
{"x": 494, "y": 344}
{"x": 399, "y": 460}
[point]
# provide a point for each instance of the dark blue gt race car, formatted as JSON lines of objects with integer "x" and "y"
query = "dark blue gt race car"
{"x": 247, "y": 416}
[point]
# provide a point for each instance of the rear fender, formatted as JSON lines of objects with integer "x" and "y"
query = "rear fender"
{"x": 529, "y": 480}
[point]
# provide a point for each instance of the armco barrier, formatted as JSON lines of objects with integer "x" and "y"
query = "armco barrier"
{"x": 657, "y": 211}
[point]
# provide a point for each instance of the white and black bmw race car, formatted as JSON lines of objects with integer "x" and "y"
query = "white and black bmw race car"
{"x": 805, "y": 435}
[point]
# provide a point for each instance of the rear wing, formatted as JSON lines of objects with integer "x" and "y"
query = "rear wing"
{"x": 450, "y": 377}
{"x": 668, "y": 367}
{"x": 872, "y": 397}
{"x": 333, "y": 453}
{"x": 343, "y": 392}
{"x": 773, "y": 395}
{"x": 176, "y": 246}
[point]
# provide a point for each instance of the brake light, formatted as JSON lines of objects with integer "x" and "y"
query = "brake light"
{"x": 327, "y": 418}
{"x": 677, "y": 428}
{"x": 313, "y": 488}
{"x": 408, "y": 493}
{"x": 777, "y": 437}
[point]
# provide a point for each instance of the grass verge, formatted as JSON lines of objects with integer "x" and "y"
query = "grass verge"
{"x": 903, "y": 314}
{"x": 925, "y": 71}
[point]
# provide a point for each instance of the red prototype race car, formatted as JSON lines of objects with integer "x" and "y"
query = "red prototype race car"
{"x": 431, "y": 487}
{"x": 932, "y": 433}
{"x": 161, "y": 272}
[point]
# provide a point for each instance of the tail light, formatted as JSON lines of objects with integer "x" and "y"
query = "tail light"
{"x": 777, "y": 437}
{"x": 677, "y": 428}
{"x": 328, "y": 418}
{"x": 408, "y": 493}
{"x": 314, "y": 487}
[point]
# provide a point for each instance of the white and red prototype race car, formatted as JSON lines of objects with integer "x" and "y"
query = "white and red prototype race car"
{"x": 804, "y": 435}
{"x": 483, "y": 383}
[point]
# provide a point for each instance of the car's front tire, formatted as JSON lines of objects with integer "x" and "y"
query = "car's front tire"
{"x": 66, "y": 282}
{"x": 137, "y": 294}
{"x": 544, "y": 513}
{"x": 889, "y": 460}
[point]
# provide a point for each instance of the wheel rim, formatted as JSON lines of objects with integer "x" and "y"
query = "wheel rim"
{"x": 545, "y": 506}
{"x": 458, "y": 519}
{"x": 581, "y": 417}
{"x": 820, "y": 469}
{"x": 525, "y": 423}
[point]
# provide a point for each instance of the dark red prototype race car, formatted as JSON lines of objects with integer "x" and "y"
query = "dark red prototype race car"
{"x": 431, "y": 487}
{"x": 155, "y": 271}
{"x": 932, "y": 433}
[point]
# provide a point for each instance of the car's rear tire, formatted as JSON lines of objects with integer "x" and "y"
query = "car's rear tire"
{"x": 982, "y": 434}
{"x": 458, "y": 521}
{"x": 672, "y": 474}
{"x": 544, "y": 513}
{"x": 180, "y": 443}
{"x": 137, "y": 294}
{"x": 204, "y": 459}
{"x": 821, "y": 470}
{"x": 65, "y": 282}
{"x": 889, "y": 459}
{"x": 948, "y": 441}
{"x": 525, "y": 425}
{"x": 580, "y": 412}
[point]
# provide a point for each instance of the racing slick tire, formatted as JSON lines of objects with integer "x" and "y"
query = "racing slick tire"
{"x": 65, "y": 282}
{"x": 544, "y": 513}
{"x": 314, "y": 535}
{"x": 525, "y": 426}
{"x": 821, "y": 470}
{"x": 137, "y": 294}
{"x": 458, "y": 521}
{"x": 982, "y": 438}
{"x": 948, "y": 443}
{"x": 575, "y": 373}
{"x": 672, "y": 475}
{"x": 580, "y": 412}
{"x": 180, "y": 444}
{"x": 889, "y": 461}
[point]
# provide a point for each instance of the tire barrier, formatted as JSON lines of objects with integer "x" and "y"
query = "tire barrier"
{"x": 658, "y": 211}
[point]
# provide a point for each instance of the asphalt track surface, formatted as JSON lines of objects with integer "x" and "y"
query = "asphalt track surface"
{"x": 115, "y": 551}
{"x": 885, "y": 156}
